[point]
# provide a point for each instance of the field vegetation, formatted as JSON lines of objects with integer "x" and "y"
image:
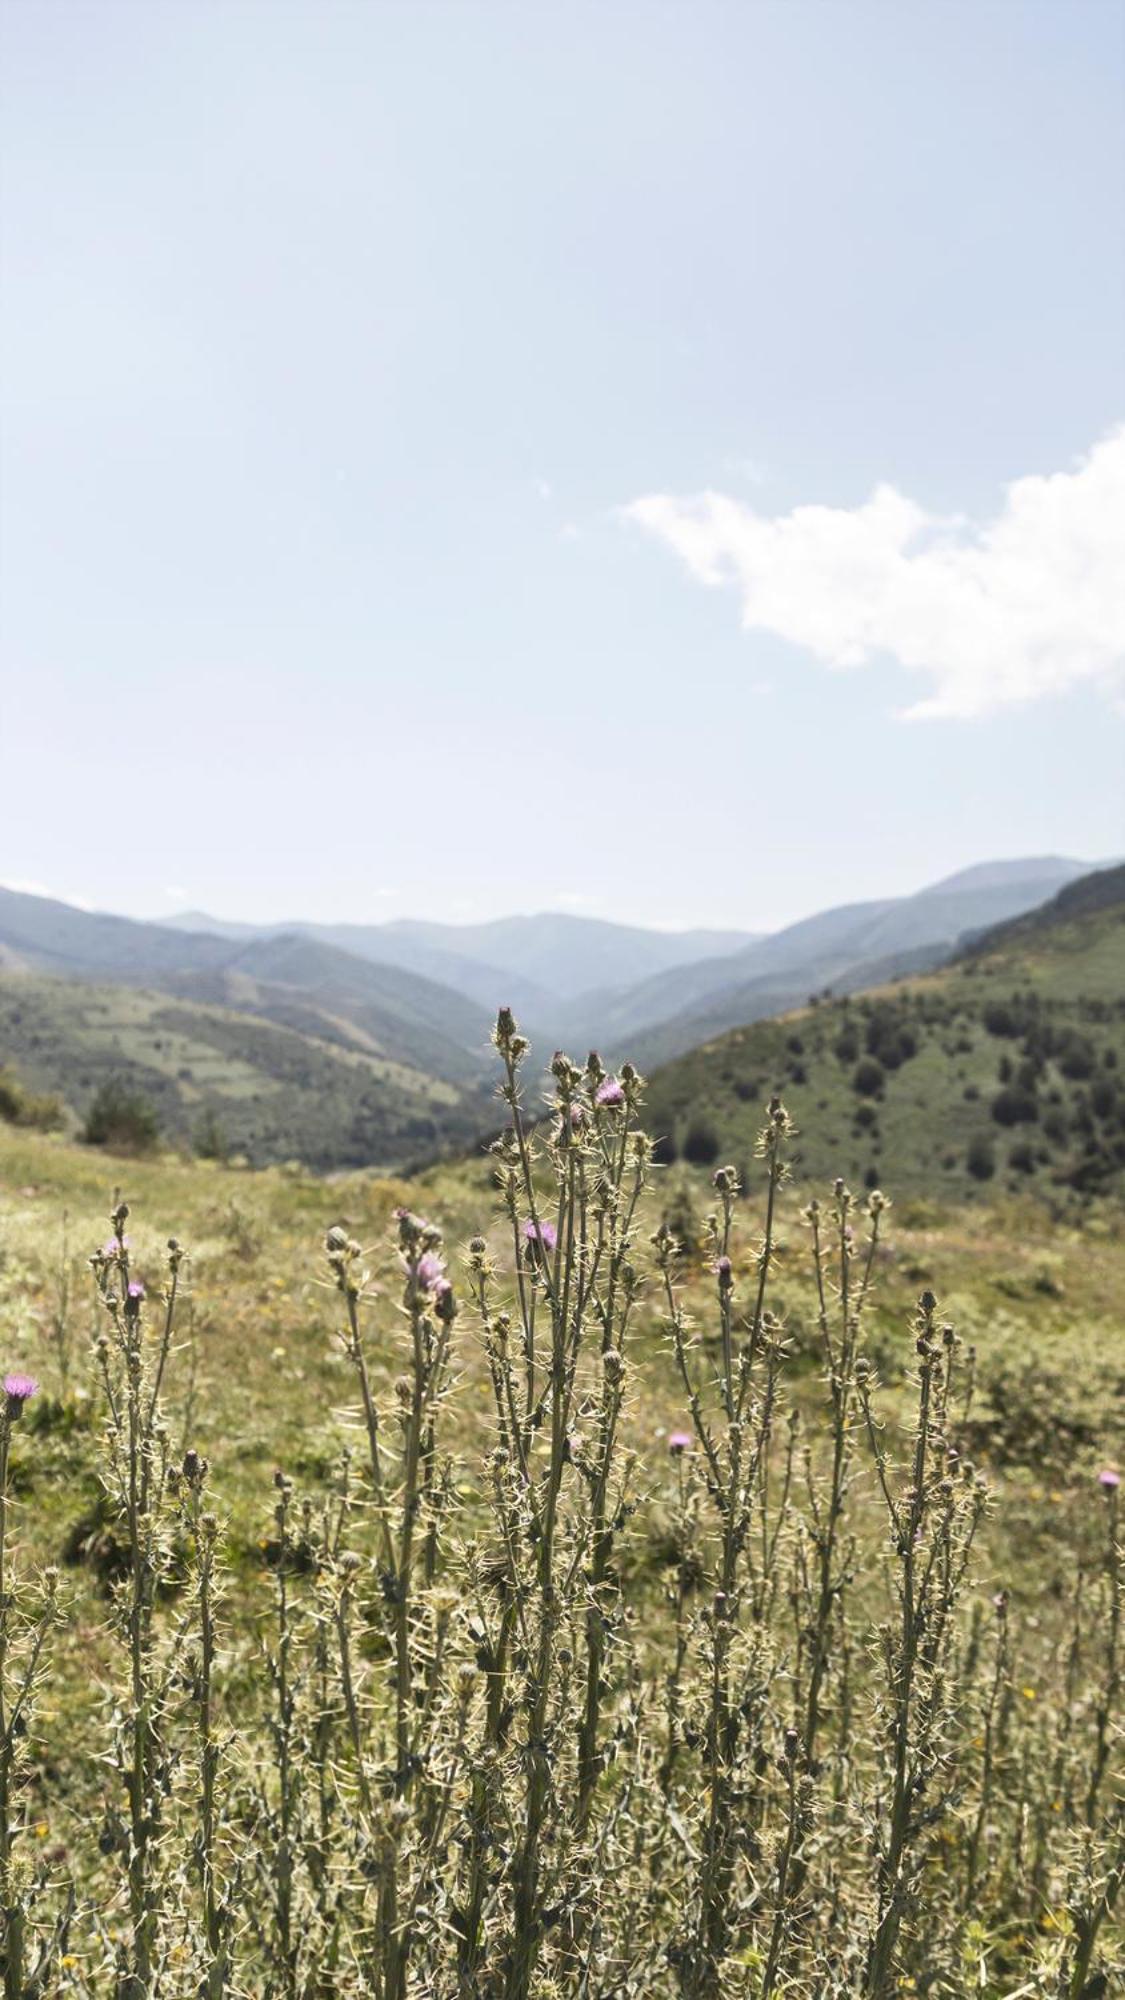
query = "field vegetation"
{"x": 561, "y": 1573}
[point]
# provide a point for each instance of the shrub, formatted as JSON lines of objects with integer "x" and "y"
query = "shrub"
{"x": 19, "y": 1106}
{"x": 1015, "y": 1106}
{"x": 210, "y": 1140}
{"x": 868, "y": 1077}
{"x": 701, "y": 1143}
{"x": 980, "y": 1160}
{"x": 121, "y": 1117}
{"x": 1001, "y": 1017}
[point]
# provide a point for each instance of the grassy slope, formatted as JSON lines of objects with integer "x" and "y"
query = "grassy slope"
{"x": 1058, "y": 980}
{"x": 278, "y": 1093}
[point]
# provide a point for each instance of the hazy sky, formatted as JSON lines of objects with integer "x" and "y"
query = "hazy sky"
{"x": 656, "y": 459}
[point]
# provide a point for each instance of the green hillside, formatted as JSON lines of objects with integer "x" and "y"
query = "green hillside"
{"x": 274, "y": 1092}
{"x": 298, "y": 982}
{"x": 1005, "y": 1070}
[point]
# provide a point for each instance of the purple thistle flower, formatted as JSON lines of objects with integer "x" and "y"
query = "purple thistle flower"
{"x": 724, "y": 1273}
{"x": 429, "y": 1273}
{"x": 113, "y": 1248}
{"x": 610, "y": 1094}
{"x": 136, "y": 1289}
{"x": 678, "y": 1442}
{"x": 1109, "y": 1480}
{"x": 540, "y": 1235}
{"x": 19, "y": 1390}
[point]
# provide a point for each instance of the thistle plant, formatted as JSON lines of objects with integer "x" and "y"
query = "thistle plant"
{"x": 932, "y": 1522}
{"x": 216, "y": 1914}
{"x": 556, "y": 1357}
{"x": 515, "y": 1706}
{"x": 409, "y": 1488}
{"x": 733, "y": 1402}
{"x": 25, "y": 1621}
{"x": 131, "y": 1371}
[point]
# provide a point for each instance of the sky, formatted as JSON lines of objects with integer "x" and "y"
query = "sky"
{"x": 662, "y": 461}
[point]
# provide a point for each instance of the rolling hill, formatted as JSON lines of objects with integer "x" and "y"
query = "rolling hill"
{"x": 275, "y": 1031}
{"x": 274, "y": 1091}
{"x": 534, "y": 964}
{"x": 295, "y": 981}
{"x": 1004, "y": 1069}
{"x": 579, "y": 981}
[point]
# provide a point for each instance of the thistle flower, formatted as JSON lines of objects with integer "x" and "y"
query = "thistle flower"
{"x": 136, "y": 1289}
{"x": 540, "y": 1235}
{"x": 679, "y": 1442}
{"x": 610, "y": 1094}
{"x": 19, "y": 1390}
{"x": 724, "y": 1273}
{"x": 429, "y": 1272}
{"x": 1108, "y": 1479}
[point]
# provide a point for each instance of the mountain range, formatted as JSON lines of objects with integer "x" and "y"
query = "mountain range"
{"x": 394, "y": 1019}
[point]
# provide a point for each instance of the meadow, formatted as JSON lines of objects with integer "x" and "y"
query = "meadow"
{"x": 557, "y": 1574}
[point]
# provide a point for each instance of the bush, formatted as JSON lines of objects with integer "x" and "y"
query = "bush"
{"x": 1015, "y": 1106}
{"x": 210, "y": 1140}
{"x": 701, "y": 1143}
{"x": 980, "y": 1160}
{"x": 868, "y": 1077}
{"x": 19, "y": 1106}
{"x": 122, "y": 1117}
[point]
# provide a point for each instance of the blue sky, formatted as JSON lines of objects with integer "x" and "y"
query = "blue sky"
{"x": 363, "y": 367}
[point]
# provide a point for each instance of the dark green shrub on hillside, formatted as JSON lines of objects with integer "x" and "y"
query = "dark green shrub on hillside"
{"x": 889, "y": 1038}
{"x": 1001, "y": 1018}
{"x": 122, "y": 1117}
{"x": 1077, "y": 1060}
{"x": 664, "y": 1149}
{"x": 868, "y": 1077}
{"x": 701, "y": 1143}
{"x": 1015, "y": 1106}
{"x": 980, "y": 1160}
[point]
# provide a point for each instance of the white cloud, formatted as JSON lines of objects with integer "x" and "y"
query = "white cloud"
{"x": 1030, "y": 603}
